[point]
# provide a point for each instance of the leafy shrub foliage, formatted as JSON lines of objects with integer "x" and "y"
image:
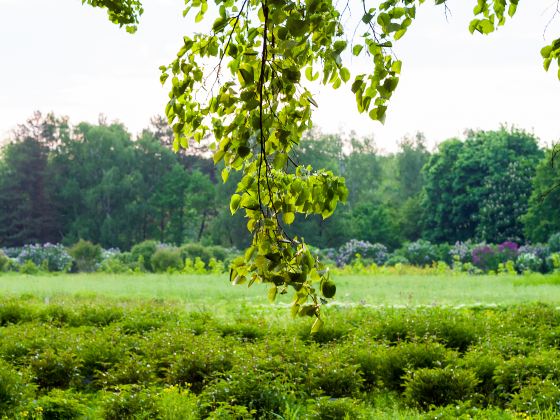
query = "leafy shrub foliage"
{"x": 166, "y": 259}
{"x": 86, "y": 255}
{"x": 49, "y": 257}
{"x": 439, "y": 386}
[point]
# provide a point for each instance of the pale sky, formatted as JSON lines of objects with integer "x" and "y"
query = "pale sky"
{"x": 60, "y": 56}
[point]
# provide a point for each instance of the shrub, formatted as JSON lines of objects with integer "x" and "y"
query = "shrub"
{"x": 195, "y": 250}
{"x": 336, "y": 409}
{"x": 515, "y": 373}
{"x": 143, "y": 252}
{"x": 12, "y": 313}
{"x": 13, "y": 389}
{"x": 395, "y": 259}
{"x": 130, "y": 370}
{"x": 197, "y": 367}
{"x": 386, "y": 365}
{"x": 114, "y": 265}
{"x": 49, "y": 257}
{"x": 508, "y": 251}
{"x": 485, "y": 257}
{"x": 461, "y": 252}
{"x": 554, "y": 242}
{"x": 536, "y": 397}
{"x": 52, "y": 369}
{"x": 376, "y": 253}
{"x": 59, "y": 405}
{"x": 130, "y": 402}
{"x": 483, "y": 364}
{"x": 166, "y": 259}
{"x": 528, "y": 263}
{"x": 28, "y": 267}
{"x": 86, "y": 255}
{"x": 439, "y": 386}
{"x": 421, "y": 253}
{"x": 262, "y": 392}
{"x": 178, "y": 403}
{"x": 335, "y": 379}
{"x": 4, "y": 261}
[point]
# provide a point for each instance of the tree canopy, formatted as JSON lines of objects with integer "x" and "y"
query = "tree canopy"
{"x": 242, "y": 80}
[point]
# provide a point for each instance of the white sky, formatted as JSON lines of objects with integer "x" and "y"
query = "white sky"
{"x": 60, "y": 56}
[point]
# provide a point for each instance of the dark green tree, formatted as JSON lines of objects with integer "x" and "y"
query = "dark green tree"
{"x": 476, "y": 188}
{"x": 543, "y": 214}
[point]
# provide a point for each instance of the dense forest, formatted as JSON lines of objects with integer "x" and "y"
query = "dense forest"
{"x": 62, "y": 182}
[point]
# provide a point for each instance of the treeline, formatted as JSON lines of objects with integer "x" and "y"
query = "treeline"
{"x": 62, "y": 183}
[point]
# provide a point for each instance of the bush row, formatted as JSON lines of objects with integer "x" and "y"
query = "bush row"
{"x": 194, "y": 258}
{"x": 150, "y": 361}
{"x": 147, "y": 256}
{"x": 462, "y": 256}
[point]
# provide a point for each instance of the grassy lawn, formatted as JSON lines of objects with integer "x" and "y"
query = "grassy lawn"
{"x": 379, "y": 290}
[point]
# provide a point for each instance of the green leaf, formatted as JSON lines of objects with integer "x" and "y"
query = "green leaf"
{"x": 345, "y": 74}
{"x": 317, "y": 325}
{"x": 272, "y": 294}
{"x": 234, "y": 203}
{"x": 357, "y": 49}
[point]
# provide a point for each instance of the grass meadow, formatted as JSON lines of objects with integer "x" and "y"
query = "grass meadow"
{"x": 156, "y": 346}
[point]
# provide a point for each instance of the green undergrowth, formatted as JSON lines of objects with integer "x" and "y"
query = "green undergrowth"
{"x": 154, "y": 359}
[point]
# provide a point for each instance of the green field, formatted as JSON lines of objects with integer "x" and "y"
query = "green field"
{"x": 99, "y": 346}
{"x": 389, "y": 290}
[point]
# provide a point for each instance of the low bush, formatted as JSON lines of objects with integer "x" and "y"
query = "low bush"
{"x": 4, "y": 261}
{"x": 142, "y": 253}
{"x": 59, "y": 405}
{"x": 166, "y": 259}
{"x": 421, "y": 253}
{"x": 197, "y": 367}
{"x": 195, "y": 250}
{"x": 86, "y": 255}
{"x": 28, "y": 267}
{"x": 514, "y": 374}
{"x": 439, "y": 386}
{"x": 130, "y": 402}
{"x": 49, "y": 257}
{"x": 14, "y": 389}
{"x": 537, "y": 397}
{"x": 262, "y": 392}
{"x": 52, "y": 369}
{"x": 336, "y": 409}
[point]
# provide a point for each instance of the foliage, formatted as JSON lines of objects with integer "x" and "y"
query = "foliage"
{"x": 58, "y": 404}
{"x": 86, "y": 255}
{"x": 554, "y": 242}
{"x": 426, "y": 387}
{"x": 50, "y": 257}
{"x": 421, "y": 253}
{"x": 129, "y": 402}
{"x": 143, "y": 252}
{"x": 471, "y": 186}
{"x": 377, "y": 253}
{"x": 13, "y": 388}
{"x": 542, "y": 218}
{"x": 129, "y": 360}
{"x": 166, "y": 259}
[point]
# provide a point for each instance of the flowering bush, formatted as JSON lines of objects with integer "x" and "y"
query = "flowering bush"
{"x": 508, "y": 251}
{"x": 485, "y": 257}
{"x": 528, "y": 262}
{"x": 49, "y": 257}
{"x": 461, "y": 252}
{"x": 377, "y": 253}
{"x": 421, "y": 253}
